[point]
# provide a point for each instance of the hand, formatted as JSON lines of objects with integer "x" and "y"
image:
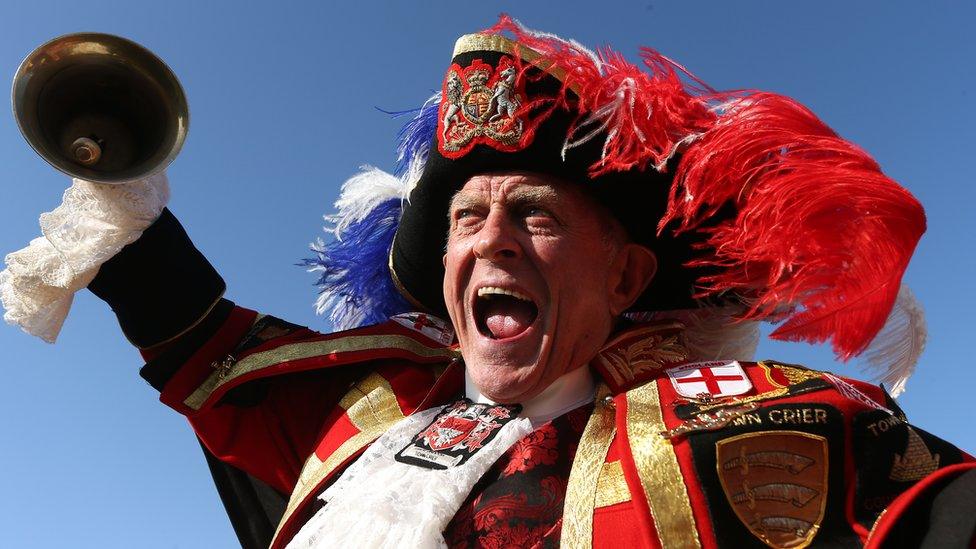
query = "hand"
{"x": 93, "y": 222}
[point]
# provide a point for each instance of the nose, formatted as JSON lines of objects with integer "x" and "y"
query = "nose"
{"x": 496, "y": 239}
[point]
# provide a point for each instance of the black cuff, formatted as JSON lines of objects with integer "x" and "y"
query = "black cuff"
{"x": 160, "y": 285}
{"x": 159, "y": 370}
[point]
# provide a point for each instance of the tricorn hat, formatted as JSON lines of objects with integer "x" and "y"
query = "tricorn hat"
{"x": 744, "y": 196}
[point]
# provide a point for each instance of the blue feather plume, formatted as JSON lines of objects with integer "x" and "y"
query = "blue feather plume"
{"x": 355, "y": 283}
{"x": 415, "y": 137}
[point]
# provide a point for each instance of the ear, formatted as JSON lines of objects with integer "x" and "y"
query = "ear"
{"x": 631, "y": 271}
{"x": 444, "y": 260}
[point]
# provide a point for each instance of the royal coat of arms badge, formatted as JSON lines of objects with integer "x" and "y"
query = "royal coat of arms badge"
{"x": 482, "y": 104}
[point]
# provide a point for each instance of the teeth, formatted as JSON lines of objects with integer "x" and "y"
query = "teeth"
{"x": 491, "y": 290}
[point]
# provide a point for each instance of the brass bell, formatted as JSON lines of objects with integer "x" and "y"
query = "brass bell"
{"x": 100, "y": 107}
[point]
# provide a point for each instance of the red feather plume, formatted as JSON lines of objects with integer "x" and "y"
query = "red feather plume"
{"x": 820, "y": 239}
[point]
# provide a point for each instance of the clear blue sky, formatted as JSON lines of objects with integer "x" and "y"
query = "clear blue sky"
{"x": 282, "y": 99}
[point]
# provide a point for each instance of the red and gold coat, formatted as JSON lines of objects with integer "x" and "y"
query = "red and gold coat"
{"x": 800, "y": 458}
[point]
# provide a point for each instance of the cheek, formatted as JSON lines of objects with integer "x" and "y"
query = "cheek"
{"x": 455, "y": 275}
{"x": 576, "y": 264}
{"x": 450, "y": 259}
{"x": 580, "y": 275}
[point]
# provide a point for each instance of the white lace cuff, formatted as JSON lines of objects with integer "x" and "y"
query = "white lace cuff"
{"x": 92, "y": 224}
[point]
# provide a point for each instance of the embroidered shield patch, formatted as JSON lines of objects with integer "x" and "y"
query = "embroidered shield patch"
{"x": 776, "y": 482}
{"x": 456, "y": 434}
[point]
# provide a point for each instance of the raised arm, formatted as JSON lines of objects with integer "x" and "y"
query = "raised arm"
{"x": 130, "y": 251}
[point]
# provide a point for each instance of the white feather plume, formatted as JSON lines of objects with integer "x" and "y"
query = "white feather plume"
{"x": 893, "y": 353}
{"x": 411, "y": 176}
{"x": 712, "y": 333}
{"x": 361, "y": 193}
{"x": 599, "y": 120}
{"x": 569, "y": 43}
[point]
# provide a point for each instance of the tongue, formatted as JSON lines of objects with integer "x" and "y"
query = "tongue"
{"x": 508, "y": 317}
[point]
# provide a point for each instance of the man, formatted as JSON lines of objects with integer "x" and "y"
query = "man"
{"x": 591, "y": 239}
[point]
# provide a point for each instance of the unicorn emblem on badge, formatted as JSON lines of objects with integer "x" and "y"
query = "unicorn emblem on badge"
{"x": 505, "y": 103}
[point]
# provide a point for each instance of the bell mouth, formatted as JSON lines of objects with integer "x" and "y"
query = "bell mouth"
{"x": 100, "y": 107}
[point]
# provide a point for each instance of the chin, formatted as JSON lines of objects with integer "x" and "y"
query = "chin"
{"x": 506, "y": 386}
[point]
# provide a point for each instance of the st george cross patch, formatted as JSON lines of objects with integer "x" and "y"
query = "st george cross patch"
{"x": 710, "y": 379}
{"x": 429, "y": 325}
{"x": 456, "y": 434}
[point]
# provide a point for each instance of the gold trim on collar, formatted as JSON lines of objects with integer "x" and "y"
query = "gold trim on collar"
{"x": 658, "y": 469}
{"x": 582, "y": 492}
{"x": 637, "y": 353}
{"x": 372, "y": 408}
{"x": 298, "y": 351}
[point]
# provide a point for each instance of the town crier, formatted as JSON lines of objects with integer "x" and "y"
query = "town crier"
{"x": 601, "y": 239}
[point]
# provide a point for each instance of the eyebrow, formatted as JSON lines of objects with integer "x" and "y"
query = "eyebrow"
{"x": 517, "y": 197}
{"x": 462, "y": 200}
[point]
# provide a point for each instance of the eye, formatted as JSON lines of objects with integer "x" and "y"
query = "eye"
{"x": 465, "y": 218}
{"x": 537, "y": 212}
{"x": 464, "y": 213}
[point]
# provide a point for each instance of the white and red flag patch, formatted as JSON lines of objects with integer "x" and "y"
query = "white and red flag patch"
{"x": 720, "y": 378}
{"x": 429, "y": 325}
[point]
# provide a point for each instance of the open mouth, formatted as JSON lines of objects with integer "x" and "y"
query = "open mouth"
{"x": 503, "y": 314}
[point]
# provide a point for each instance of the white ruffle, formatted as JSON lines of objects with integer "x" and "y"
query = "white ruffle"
{"x": 92, "y": 224}
{"x": 380, "y": 502}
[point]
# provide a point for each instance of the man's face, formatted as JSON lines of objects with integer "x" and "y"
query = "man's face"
{"x": 530, "y": 281}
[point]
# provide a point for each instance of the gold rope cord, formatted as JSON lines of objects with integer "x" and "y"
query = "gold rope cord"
{"x": 581, "y": 493}
{"x": 657, "y": 467}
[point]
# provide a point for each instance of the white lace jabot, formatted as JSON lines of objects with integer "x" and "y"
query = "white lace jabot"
{"x": 381, "y": 502}
{"x": 92, "y": 224}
